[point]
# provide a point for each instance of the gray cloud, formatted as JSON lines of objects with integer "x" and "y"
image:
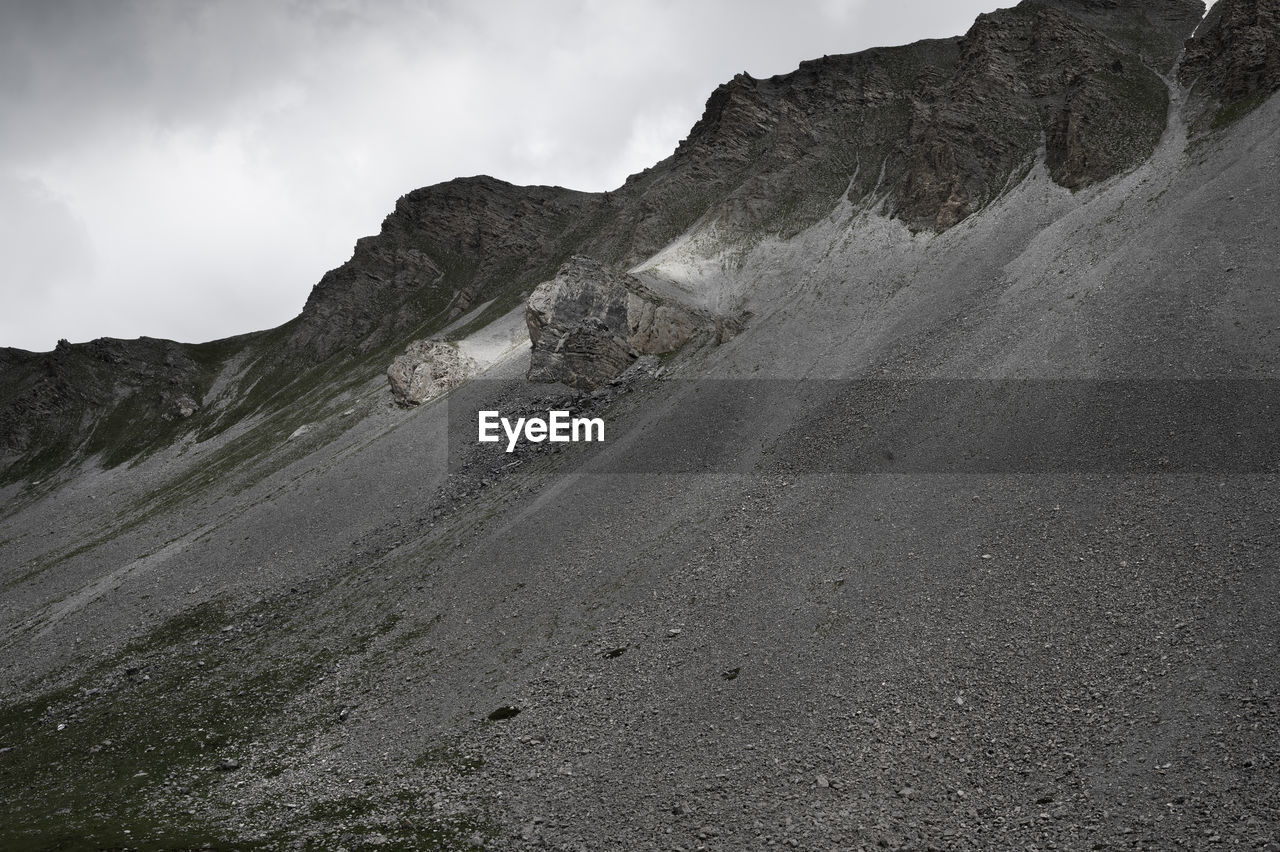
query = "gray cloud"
{"x": 198, "y": 165}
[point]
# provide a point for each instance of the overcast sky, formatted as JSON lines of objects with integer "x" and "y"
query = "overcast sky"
{"x": 190, "y": 169}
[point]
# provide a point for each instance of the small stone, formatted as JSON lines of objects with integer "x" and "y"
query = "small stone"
{"x": 228, "y": 764}
{"x": 823, "y": 782}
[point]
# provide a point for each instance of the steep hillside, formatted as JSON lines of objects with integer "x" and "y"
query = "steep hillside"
{"x": 966, "y": 539}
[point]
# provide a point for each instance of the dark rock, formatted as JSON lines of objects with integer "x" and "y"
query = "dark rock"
{"x": 504, "y": 712}
{"x": 117, "y": 396}
{"x": 1233, "y": 62}
{"x": 590, "y": 322}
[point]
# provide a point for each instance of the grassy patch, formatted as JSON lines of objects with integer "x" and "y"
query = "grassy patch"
{"x": 109, "y": 760}
{"x": 1230, "y": 113}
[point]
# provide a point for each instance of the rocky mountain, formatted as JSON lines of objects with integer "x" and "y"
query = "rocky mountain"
{"x": 930, "y": 132}
{"x": 935, "y": 509}
{"x": 1233, "y": 61}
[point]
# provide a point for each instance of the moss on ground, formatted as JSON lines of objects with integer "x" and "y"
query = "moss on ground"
{"x": 1229, "y": 114}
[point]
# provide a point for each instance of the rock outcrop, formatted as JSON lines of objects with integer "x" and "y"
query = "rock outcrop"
{"x": 1233, "y": 62}
{"x": 109, "y": 397}
{"x": 444, "y": 249}
{"x": 589, "y": 323}
{"x": 426, "y": 369}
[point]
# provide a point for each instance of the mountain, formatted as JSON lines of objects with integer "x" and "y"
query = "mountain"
{"x": 936, "y": 507}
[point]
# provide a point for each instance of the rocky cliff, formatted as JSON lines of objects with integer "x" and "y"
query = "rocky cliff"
{"x": 1233, "y": 61}
{"x": 442, "y": 250}
{"x": 114, "y": 397}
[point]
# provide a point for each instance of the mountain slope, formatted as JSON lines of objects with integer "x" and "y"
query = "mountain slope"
{"x": 761, "y": 613}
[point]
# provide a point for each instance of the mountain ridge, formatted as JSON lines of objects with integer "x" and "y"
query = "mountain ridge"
{"x": 931, "y": 131}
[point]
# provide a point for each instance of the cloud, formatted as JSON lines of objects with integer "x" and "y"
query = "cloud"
{"x": 47, "y": 252}
{"x": 214, "y": 159}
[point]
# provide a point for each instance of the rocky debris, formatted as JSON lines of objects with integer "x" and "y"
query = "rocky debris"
{"x": 426, "y": 369}
{"x": 184, "y": 406}
{"x": 1233, "y": 62}
{"x": 591, "y": 322}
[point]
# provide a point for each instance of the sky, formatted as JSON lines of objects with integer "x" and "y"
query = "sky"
{"x": 189, "y": 170}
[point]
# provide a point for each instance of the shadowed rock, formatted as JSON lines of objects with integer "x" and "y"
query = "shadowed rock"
{"x": 1233, "y": 62}
{"x": 590, "y": 322}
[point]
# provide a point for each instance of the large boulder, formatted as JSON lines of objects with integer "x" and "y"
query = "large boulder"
{"x": 590, "y": 322}
{"x": 426, "y": 369}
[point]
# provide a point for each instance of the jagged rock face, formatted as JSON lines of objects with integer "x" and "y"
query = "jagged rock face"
{"x": 937, "y": 128}
{"x": 108, "y": 396}
{"x": 1153, "y": 29}
{"x": 1235, "y": 57}
{"x": 1065, "y": 73}
{"x": 426, "y": 369}
{"x": 590, "y": 322}
{"x": 442, "y": 250}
